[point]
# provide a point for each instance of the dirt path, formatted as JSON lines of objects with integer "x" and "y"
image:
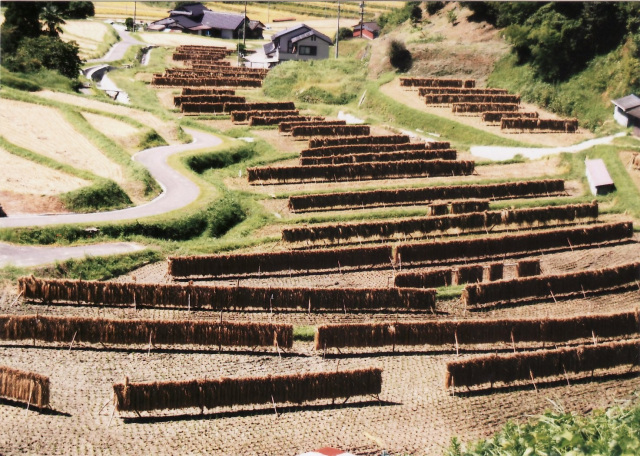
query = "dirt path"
{"x": 178, "y": 190}
{"x": 506, "y": 153}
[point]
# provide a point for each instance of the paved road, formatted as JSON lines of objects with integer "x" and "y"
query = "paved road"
{"x": 178, "y": 190}
{"x": 118, "y": 50}
{"x": 28, "y": 255}
{"x": 500, "y": 153}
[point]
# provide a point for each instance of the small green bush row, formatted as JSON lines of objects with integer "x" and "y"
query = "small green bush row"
{"x": 219, "y": 159}
{"x": 102, "y": 195}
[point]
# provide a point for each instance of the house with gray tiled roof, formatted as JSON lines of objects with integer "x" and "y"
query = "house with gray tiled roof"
{"x": 198, "y": 19}
{"x": 298, "y": 43}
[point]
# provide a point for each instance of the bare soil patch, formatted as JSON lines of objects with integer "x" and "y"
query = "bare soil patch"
{"x": 166, "y": 129}
{"x": 545, "y": 167}
{"x": 25, "y": 204}
{"x": 417, "y": 415}
{"x": 20, "y": 175}
{"x": 86, "y": 33}
{"x": 45, "y": 131}
{"x": 411, "y": 99}
{"x": 124, "y": 134}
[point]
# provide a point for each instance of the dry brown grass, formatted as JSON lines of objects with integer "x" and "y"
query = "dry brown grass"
{"x": 20, "y": 175}
{"x": 87, "y": 34}
{"x": 122, "y": 133}
{"x": 166, "y": 129}
{"x": 44, "y": 130}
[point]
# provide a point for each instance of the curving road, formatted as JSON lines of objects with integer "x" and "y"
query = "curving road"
{"x": 178, "y": 190}
{"x": 29, "y": 255}
{"x": 118, "y": 50}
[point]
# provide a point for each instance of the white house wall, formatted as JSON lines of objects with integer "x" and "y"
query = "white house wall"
{"x": 620, "y": 117}
{"x": 322, "y": 51}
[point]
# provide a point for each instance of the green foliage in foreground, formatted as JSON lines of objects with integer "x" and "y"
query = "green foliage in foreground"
{"x": 615, "y": 431}
{"x": 103, "y": 195}
{"x": 100, "y": 267}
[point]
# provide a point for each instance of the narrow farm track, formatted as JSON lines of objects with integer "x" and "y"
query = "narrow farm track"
{"x": 27, "y": 255}
{"x": 178, "y": 190}
{"x": 118, "y": 50}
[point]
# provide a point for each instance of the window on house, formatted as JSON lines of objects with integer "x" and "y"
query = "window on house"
{"x": 313, "y": 38}
{"x": 308, "y": 50}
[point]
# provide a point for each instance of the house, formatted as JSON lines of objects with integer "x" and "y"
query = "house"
{"x": 197, "y": 19}
{"x": 627, "y": 112}
{"x": 600, "y": 181}
{"x": 369, "y": 30}
{"x": 298, "y": 43}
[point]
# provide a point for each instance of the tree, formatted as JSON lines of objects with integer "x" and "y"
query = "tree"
{"x": 79, "y": 10}
{"x": 21, "y": 19}
{"x": 416, "y": 13}
{"x": 45, "y": 52}
{"x": 399, "y": 56}
{"x": 343, "y": 34}
{"x": 51, "y": 15}
{"x": 128, "y": 23}
{"x": 434, "y": 7}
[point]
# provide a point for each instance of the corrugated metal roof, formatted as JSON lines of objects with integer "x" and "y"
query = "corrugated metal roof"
{"x": 597, "y": 172}
{"x": 626, "y": 103}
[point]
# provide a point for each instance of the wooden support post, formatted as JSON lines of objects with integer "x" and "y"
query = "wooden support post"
{"x": 29, "y": 400}
{"x": 274, "y": 406}
{"x": 457, "y": 347}
{"x": 532, "y": 380}
{"x": 72, "y": 339}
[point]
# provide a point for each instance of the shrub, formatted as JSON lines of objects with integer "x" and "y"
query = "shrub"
{"x": 416, "y": 13}
{"x": 103, "y": 195}
{"x": 434, "y": 7}
{"x": 399, "y": 56}
{"x": 216, "y": 160}
{"x": 343, "y": 34}
{"x": 224, "y": 215}
{"x": 48, "y": 52}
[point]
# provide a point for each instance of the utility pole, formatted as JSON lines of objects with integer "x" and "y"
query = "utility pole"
{"x": 244, "y": 33}
{"x": 135, "y": 4}
{"x": 338, "y": 30}
{"x": 361, "y": 18}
